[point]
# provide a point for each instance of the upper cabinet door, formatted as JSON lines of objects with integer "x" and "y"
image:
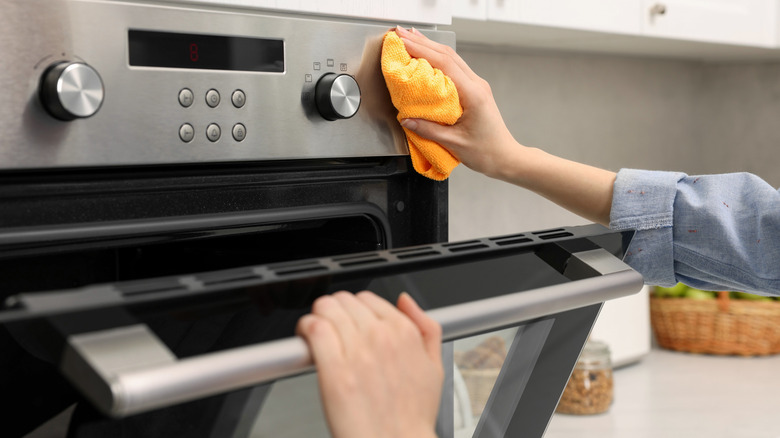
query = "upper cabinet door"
{"x": 395, "y": 11}
{"x": 740, "y": 22}
{"x": 471, "y": 9}
{"x": 615, "y": 16}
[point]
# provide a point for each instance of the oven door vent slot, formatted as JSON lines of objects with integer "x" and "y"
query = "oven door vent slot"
{"x": 555, "y": 230}
{"x": 226, "y": 277}
{"x": 410, "y": 253}
{"x": 511, "y": 240}
{"x": 300, "y": 269}
{"x": 555, "y": 235}
{"x": 468, "y": 246}
{"x": 364, "y": 259}
{"x": 552, "y": 234}
{"x": 150, "y": 286}
{"x": 413, "y": 255}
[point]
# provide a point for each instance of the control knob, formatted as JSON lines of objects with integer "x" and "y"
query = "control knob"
{"x": 337, "y": 96}
{"x": 71, "y": 90}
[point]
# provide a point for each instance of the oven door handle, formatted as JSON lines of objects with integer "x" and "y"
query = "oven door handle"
{"x": 143, "y": 374}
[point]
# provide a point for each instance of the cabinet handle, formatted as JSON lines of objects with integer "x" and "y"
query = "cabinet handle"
{"x": 657, "y": 9}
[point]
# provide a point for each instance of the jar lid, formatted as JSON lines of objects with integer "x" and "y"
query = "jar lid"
{"x": 594, "y": 353}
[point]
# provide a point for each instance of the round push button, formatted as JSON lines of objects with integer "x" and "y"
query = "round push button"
{"x": 186, "y": 97}
{"x": 239, "y": 132}
{"x": 212, "y": 98}
{"x": 186, "y": 133}
{"x": 213, "y": 132}
{"x": 238, "y": 98}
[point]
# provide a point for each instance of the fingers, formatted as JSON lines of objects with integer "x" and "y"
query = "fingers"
{"x": 439, "y": 55}
{"x": 337, "y": 322}
{"x": 442, "y": 61}
{"x": 360, "y": 314}
{"x": 330, "y": 308}
{"x": 323, "y": 340}
{"x": 447, "y": 136}
{"x": 429, "y": 328}
{"x": 381, "y": 307}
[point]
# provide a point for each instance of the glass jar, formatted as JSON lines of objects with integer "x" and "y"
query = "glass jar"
{"x": 589, "y": 390}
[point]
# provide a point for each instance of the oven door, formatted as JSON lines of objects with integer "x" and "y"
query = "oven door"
{"x": 213, "y": 353}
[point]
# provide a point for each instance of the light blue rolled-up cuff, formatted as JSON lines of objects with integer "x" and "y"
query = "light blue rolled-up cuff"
{"x": 643, "y": 200}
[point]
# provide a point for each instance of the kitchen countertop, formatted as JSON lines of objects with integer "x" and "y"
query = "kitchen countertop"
{"x": 666, "y": 394}
{"x": 672, "y": 394}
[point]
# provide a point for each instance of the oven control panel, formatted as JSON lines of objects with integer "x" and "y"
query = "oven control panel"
{"x": 109, "y": 83}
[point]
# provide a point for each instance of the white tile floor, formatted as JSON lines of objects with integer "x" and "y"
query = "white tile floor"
{"x": 671, "y": 394}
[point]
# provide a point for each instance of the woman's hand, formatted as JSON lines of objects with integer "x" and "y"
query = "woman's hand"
{"x": 379, "y": 367}
{"x": 480, "y": 139}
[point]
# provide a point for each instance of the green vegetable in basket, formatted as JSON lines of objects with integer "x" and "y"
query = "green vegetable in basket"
{"x": 747, "y": 296}
{"x": 698, "y": 294}
{"x": 675, "y": 291}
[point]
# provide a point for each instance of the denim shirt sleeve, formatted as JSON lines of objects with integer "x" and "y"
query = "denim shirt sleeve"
{"x": 713, "y": 232}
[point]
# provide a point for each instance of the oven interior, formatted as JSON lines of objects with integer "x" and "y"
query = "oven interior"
{"x": 113, "y": 259}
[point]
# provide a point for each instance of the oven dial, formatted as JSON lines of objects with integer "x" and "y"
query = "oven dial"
{"x": 337, "y": 96}
{"x": 71, "y": 90}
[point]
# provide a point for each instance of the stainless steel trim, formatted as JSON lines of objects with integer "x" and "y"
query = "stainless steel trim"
{"x": 134, "y": 388}
{"x": 140, "y": 118}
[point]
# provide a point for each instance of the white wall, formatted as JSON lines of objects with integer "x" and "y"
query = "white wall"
{"x": 615, "y": 112}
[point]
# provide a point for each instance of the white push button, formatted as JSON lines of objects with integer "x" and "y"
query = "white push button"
{"x": 186, "y": 133}
{"x": 239, "y": 132}
{"x": 212, "y": 98}
{"x": 213, "y": 132}
{"x": 238, "y": 98}
{"x": 186, "y": 97}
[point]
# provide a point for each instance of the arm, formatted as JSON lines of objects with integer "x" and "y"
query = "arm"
{"x": 379, "y": 367}
{"x": 712, "y": 232}
{"x": 481, "y": 140}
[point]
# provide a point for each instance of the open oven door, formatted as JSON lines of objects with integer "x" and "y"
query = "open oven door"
{"x": 549, "y": 285}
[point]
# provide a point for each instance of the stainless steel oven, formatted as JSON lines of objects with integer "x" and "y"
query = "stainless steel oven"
{"x": 179, "y": 182}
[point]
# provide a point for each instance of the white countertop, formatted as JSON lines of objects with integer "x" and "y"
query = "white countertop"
{"x": 671, "y": 394}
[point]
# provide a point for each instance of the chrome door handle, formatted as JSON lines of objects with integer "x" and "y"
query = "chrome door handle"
{"x": 142, "y": 374}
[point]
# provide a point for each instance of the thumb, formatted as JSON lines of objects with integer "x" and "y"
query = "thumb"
{"x": 439, "y": 133}
{"x": 429, "y": 328}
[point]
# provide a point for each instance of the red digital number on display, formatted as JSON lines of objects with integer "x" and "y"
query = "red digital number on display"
{"x": 194, "y": 52}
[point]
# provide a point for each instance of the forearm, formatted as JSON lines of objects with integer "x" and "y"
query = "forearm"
{"x": 481, "y": 140}
{"x": 582, "y": 189}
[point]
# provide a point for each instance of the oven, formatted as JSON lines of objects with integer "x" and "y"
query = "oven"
{"x": 179, "y": 182}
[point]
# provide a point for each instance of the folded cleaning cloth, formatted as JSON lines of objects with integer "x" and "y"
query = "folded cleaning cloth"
{"x": 422, "y": 92}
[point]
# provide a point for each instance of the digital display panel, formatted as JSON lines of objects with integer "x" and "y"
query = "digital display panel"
{"x": 206, "y": 52}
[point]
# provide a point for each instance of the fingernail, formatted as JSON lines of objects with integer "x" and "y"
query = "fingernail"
{"x": 401, "y": 30}
{"x": 409, "y": 124}
{"x": 411, "y": 300}
{"x": 415, "y": 31}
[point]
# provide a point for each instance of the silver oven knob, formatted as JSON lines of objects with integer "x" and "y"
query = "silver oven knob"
{"x": 337, "y": 96}
{"x": 71, "y": 90}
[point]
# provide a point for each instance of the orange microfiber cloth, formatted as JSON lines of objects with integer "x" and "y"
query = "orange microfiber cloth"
{"x": 422, "y": 92}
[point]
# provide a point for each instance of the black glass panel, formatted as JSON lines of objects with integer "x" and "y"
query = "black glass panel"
{"x": 205, "y": 52}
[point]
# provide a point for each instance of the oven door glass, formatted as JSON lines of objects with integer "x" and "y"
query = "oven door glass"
{"x": 212, "y": 353}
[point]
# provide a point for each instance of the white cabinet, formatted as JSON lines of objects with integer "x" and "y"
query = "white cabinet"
{"x": 471, "y": 9}
{"x": 745, "y": 22}
{"x": 400, "y": 11}
{"x": 694, "y": 29}
{"x": 620, "y": 16}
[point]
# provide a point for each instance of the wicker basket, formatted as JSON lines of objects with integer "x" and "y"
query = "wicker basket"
{"x": 479, "y": 383}
{"x": 722, "y": 326}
